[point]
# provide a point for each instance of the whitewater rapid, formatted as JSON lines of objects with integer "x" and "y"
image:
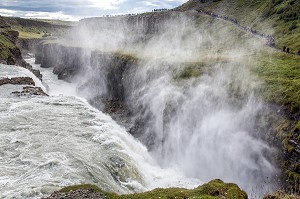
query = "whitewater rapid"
{"x": 50, "y": 142}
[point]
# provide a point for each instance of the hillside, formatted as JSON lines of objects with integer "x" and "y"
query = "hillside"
{"x": 31, "y": 29}
{"x": 275, "y": 17}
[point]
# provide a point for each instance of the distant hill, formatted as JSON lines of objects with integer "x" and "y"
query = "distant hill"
{"x": 280, "y": 18}
{"x": 32, "y": 28}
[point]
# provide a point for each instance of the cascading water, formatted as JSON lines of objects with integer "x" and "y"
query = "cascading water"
{"x": 50, "y": 142}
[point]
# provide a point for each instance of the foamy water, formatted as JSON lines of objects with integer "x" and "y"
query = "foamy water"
{"x": 50, "y": 142}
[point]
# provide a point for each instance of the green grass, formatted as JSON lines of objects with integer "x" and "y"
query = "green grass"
{"x": 213, "y": 190}
{"x": 77, "y": 187}
{"x": 38, "y": 32}
{"x": 35, "y": 28}
{"x": 281, "y": 75}
{"x": 30, "y": 35}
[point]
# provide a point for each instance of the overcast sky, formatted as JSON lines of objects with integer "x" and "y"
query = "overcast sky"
{"x": 77, "y": 9}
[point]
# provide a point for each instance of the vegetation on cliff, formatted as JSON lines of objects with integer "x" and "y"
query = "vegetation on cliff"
{"x": 276, "y": 17}
{"x": 281, "y": 74}
{"x": 9, "y": 52}
{"x": 32, "y": 29}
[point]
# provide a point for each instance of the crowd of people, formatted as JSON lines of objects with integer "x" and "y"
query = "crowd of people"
{"x": 126, "y": 15}
{"x": 161, "y": 10}
{"x": 270, "y": 41}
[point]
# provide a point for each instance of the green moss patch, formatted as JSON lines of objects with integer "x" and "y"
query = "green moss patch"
{"x": 212, "y": 190}
{"x": 190, "y": 70}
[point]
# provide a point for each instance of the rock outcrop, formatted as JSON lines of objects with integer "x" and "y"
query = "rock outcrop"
{"x": 17, "y": 81}
{"x": 31, "y": 91}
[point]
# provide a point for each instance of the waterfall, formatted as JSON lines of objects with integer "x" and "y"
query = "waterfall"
{"x": 50, "y": 142}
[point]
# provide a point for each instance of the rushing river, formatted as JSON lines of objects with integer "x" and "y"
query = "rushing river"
{"x": 50, "y": 142}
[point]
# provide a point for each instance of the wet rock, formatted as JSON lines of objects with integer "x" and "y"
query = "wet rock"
{"x": 293, "y": 142}
{"x": 29, "y": 91}
{"x": 17, "y": 81}
{"x": 37, "y": 73}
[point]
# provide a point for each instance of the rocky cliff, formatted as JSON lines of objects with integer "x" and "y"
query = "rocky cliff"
{"x": 10, "y": 53}
{"x": 148, "y": 23}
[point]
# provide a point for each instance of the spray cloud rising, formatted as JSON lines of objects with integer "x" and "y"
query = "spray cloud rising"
{"x": 189, "y": 91}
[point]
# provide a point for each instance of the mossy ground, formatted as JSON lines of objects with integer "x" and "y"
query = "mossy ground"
{"x": 212, "y": 190}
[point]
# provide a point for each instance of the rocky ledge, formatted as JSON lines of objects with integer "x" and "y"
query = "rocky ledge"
{"x": 215, "y": 189}
{"x": 17, "y": 81}
{"x": 29, "y": 91}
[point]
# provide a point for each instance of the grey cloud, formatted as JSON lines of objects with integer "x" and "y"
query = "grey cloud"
{"x": 85, "y": 8}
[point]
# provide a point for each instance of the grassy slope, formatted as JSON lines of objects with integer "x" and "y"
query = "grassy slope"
{"x": 212, "y": 190}
{"x": 281, "y": 74}
{"x": 275, "y": 17}
{"x": 6, "y": 46}
{"x": 32, "y": 29}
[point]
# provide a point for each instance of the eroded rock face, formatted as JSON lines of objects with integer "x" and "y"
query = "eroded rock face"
{"x": 17, "y": 81}
{"x": 29, "y": 45}
{"x": 143, "y": 24}
{"x": 66, "y": 62}
{"x": 12, "y": 35}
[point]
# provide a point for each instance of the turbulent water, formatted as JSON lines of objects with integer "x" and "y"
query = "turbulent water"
{"x": 50, "y": 142}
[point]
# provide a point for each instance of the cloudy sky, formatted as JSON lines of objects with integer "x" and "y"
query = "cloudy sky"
{"x": 77, "y": 9}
